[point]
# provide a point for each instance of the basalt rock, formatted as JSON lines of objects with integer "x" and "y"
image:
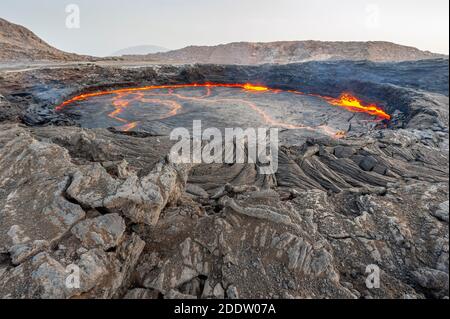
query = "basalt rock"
{"x": 46, "y": 232}
{"x": 34, "y": 176}
{"x": 103, "y": 232}
{"x": 47, "y": 275}
{"x": 113, "y": 206}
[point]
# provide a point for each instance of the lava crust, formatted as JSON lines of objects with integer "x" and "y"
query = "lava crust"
{"x": 135, "y": 108}
{"x": 85, "y": 180}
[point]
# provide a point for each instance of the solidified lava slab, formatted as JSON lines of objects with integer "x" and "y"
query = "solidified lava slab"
{"x": 219, "y": 105}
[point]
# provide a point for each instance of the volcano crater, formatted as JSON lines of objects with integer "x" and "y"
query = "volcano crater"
{"x": 165, "y": 107}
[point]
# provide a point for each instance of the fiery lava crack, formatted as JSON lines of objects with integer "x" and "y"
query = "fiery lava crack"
{"x": 122, "y": 101}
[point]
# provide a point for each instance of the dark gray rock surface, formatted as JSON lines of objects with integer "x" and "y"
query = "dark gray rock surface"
{"x": 377, "y": 196}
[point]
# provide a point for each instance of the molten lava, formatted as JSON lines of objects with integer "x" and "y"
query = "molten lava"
{"x": 123, "y": 97}
{"x": 351, "y": 103}
{"x": 251, "y": 87}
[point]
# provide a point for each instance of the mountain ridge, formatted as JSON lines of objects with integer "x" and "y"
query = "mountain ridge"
{"x": 140, "y": 50}
{"x": 17, "y": 43}
{"x": 284, "y": 52}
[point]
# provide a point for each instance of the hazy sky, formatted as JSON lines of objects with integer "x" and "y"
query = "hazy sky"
{"x": 109, "y": 25}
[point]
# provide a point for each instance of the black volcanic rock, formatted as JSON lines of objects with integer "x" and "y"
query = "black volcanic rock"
{"x": 377, "y": 196}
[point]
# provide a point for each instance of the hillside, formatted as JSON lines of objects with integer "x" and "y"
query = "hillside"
{"x": 291, "y": 52}
{"x": 17, "y": 43}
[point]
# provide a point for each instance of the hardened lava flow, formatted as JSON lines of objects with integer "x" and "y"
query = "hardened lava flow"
{"x": 124, "y": 97}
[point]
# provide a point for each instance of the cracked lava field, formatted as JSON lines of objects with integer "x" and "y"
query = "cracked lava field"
{"x": 236, "y": 104}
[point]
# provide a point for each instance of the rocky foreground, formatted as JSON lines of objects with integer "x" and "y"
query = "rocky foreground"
{"x": 139, "y": 226}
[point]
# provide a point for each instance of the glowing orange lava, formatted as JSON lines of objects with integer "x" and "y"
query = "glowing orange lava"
{"x": 257, "y": 88}
{"x": 128, "y": 127}
{"x": 121, "y": 101}
{"x": 351, "y": 103}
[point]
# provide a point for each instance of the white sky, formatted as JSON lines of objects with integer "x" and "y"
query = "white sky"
{"x": 109, "y": 25}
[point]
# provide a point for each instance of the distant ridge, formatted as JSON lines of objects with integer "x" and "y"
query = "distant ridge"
{"x": 291, "y": 52}
{"x": 140, "y": 50}
{"x": 17, "y": 43}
